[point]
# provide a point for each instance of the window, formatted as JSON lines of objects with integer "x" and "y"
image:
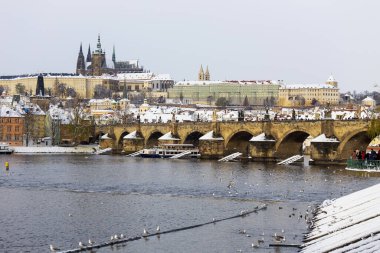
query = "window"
{"x": 17, "y": 128}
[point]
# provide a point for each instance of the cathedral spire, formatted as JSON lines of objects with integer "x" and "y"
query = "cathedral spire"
{"x": 201, "y": 74}
{"x": 98, "y": 45}
{"x": 88, "y": 59}
{"x": 80, "y": 61}
{"x": 113, "y": 54}
{"x": 207, "y": 74}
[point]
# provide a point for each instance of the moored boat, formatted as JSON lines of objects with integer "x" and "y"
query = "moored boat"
{"x": 5, "y": 149}
{"x": 171, "y": 150}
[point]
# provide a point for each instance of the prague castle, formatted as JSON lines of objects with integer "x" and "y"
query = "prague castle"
{"x": 97, "y": 65}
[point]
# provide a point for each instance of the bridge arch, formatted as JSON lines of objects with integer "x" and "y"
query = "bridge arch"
{"x": 98, "y": 135}
{"x": 152, "y": 139}
{"x": 357, "y": 140}
{"x": 291, "y": 143}
{"x": 239, "y": 142}
{"x": 193, "y": 138}
{"x": 120, "y": 141}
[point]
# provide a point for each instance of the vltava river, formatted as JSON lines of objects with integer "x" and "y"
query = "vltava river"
{"x": 64, "y": 199}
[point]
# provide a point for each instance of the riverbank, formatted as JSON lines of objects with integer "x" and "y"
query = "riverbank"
{"x": 81, "y": 149}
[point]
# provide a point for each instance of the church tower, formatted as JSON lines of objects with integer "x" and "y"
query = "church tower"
{"x": 113, "y": 55}
{"x": 88, "y": 58}
{"x": 207, "y": 74}
{"x": 201, "y": 74}
{"x": 98, "y": 59}
{"x": 81, "y": 68}
{"x": 40, "y": 88}
{"x": 331, "y": 81}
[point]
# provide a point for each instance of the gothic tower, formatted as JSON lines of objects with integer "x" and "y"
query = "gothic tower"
{"x": 207, "y": 74}
{"x": 98, "y": 59}
{"x": 81, "y": 68}
{"x": 40, "y": 89}
{"x": 201, "y": 74}
{"x": 88, "y": 58}
{"x": 114, "y": 55}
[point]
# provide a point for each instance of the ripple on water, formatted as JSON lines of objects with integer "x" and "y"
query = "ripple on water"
{"x": 65, "y": 199}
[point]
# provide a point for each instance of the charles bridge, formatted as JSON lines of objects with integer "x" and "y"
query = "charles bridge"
{"x": 261, "y": 140}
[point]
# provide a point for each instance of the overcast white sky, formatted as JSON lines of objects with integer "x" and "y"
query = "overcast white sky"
{"x": 296, "y": 41}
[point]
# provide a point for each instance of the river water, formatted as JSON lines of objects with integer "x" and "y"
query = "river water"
{"x": 64, "y": 199}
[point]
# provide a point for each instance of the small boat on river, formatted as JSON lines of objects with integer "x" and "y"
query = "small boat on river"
{"x": 363, "y": 165}
{"x": 171, "y": 151}
{"x": 5, "y": 149}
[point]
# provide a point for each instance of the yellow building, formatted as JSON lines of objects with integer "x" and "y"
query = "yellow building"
{"x": 309, "y": 94}
{"x": 84, "y": 86}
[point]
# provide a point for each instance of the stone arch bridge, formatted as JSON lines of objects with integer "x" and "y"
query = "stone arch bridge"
{"x": 331, "y": 140}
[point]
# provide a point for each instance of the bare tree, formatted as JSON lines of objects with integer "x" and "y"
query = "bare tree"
{"x": 101, "y": 92}
{"x": 80, "y": 128}
{"x": 29, "y": 125}
{"x": 20, "y": 88}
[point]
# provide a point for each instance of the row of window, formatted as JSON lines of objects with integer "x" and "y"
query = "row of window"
{"x": 15, "y": 137}
{"x": 9, "y": 120}
{"x": 9, "y": 128}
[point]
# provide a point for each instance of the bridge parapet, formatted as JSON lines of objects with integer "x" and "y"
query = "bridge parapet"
{"x": 288, "y": 135}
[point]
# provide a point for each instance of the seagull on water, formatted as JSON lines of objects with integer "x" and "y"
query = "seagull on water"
{"x": 122, "y": 236}
{"x": 112, "y": 238}
{"x": 53, "y": 249}
{"x": 90, "y": 242}
{"x": 82, "y": 245}
{"x": 115, "y": 237}
{"x": 145, "y": 233}
{"x": 158, "y": 229}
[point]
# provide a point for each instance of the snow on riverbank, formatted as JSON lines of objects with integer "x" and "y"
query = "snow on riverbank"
{"x": 57, "y": 150}
{"x": 347, "y": 224}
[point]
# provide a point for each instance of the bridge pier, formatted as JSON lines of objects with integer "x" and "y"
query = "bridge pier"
{"x": 133, "y": 142}
{"x": 211, "y": 146}
{"x": 323, "y": 149}
{"x": 262, "y": 148}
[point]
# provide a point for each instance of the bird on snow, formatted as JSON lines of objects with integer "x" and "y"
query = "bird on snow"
{"x": 145, "y": 233}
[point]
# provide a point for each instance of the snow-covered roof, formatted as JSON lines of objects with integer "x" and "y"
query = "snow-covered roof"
{"x": 307, "y": 86}
{"x": 162, "y": 77}
{"x": 323, "y": 138}
{"x": 184, "y": 83}
{"x": 132, "y": 135}
{"x": 331, "y": 79}
{"x": 261, "y": 137}
{"x": 168, "y": 137}
{"x": 135, "y": 76}
{"x": 210, "y": 137}
{"x": 368, "y": 99}
{"x": 5, "y": 111}
{"x": 105, "y": 137}
{"x": 347, "y": 224}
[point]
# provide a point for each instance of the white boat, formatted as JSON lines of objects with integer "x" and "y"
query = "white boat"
{"x": 5, "y": 149}
{"x": 170, "y": 150}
